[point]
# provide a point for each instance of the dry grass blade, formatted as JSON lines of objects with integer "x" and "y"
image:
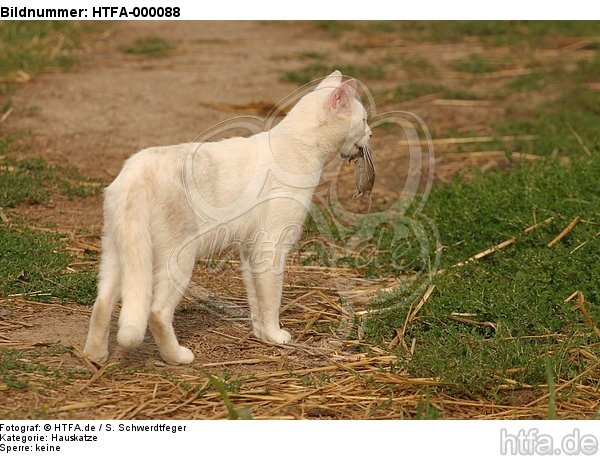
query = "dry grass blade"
{"x": 564, "y": 232}
{"x": 499, "y": 246}
{"x": 4, "y": 218}
{"x": 85, "y": 405}
{"x": 487, "y": 252}
{"x": 571, "y": 382}
{"x": 492, "y": 154}
{"x": 580, "y": 141}
{"x": 480, "y": 139}
{"x": 19, "y": 300}
{"x": 469, "y": 321}
{"x": 584, "y": 243}
{"x": 99, "y": 373}
{"x": 581, "y": 304}
{"x": 79, "y": 354}
{"x": 410, "y": 316}
{"x": 6, "y": 115}
{"x": 182, "y": 404}
{"x": 297, "y": 300}
{"x": 537, "y": 225}
{"x": 461, "y": 103}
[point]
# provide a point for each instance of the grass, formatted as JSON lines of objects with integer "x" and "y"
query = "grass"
{"x": 555, "y": 77}
{"x": 519, "y": 330}
{"x": 521, "y": 290}
{"x": 17, "y": 367}
{"x": 34, "y": 262}
{"x": 413, "y": 65}
{"x": 36, "y": 46}
{"x": 567, "y": 116}
{"x": 336, "y": 28}
{"x": 522, "y": 33}
{"x": 150, "y": 46}
{"x": 474, "y": 63}
{"x": 538, "y": 79}
{"x": 33, "y": 180}
{"x": 311, "y": 55}
{"x": 319, "y": 70}
{"x": 412, "y": 90}
{"x": 234, "y": 414}
{"x": 567, "y": 125}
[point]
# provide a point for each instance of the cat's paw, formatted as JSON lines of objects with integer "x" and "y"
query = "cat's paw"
{"x": 183, "y": 355}
{"x": 257, "y": 330}
{"x": 276, "y": 336}
{"x": 97, "y": 356}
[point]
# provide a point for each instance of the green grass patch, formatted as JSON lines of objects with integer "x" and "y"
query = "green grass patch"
{"x": 568, "y": 124}
{"x": 412, "y": 90}
{"x": 520, "y": 290}
{"x": 336, "y": 28}
{"x": 311, "y": 55}
{"x": 33, "y": 180}
{"x": 524, "y": 33}
{"x": 37, "y": 46}
{"x": 555, "y": 77}
{"x": 16, "y": 367}
{"x": 539, "y": 79}
{"x": 412, "y": 64}
{"x": 318, "y": 70}
{"x": 567, "y": 117}
{"x": 474, "y": 63}
{"x": 36, "y": 263}
{"x": 150, "y": 46}
{"x": 222, "y": 389}
{"x": 506, "y": 32}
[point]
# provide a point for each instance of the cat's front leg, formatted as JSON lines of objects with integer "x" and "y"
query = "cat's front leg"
{"x": 266, "y": 262}
{"x": 268, "y": 286}
{"x": 251, "y": 292}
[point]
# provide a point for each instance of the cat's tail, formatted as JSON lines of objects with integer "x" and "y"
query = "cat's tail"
{"x": 134, "y": 244}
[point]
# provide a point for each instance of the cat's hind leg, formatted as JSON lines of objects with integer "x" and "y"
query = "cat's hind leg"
{"x": 169, "y": 285}
{"x": 109, "y": 288}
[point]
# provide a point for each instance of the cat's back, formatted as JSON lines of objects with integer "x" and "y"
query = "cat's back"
{"x": 144, "y": 175}
{"x": 168, "y": 161}
{"x": 217, "y": 168}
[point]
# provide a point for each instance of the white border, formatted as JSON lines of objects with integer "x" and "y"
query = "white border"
{"x": 349, "y": 9}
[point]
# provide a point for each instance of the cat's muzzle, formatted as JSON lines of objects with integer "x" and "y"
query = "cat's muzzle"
{"x": 354, "y": 154}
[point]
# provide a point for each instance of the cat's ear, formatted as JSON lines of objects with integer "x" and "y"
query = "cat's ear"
{"x": 343, "y": 94}
{"x": 331, "y": 81}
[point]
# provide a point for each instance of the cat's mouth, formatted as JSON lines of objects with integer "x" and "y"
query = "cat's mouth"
{"x": 357, "y": 151}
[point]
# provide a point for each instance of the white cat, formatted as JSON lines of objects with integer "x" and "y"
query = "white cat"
{"x": 170, "y": 205}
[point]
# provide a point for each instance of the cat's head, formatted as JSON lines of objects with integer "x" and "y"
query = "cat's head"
{"x": 332, "y": 115}
{"x": 343, "y": 117}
